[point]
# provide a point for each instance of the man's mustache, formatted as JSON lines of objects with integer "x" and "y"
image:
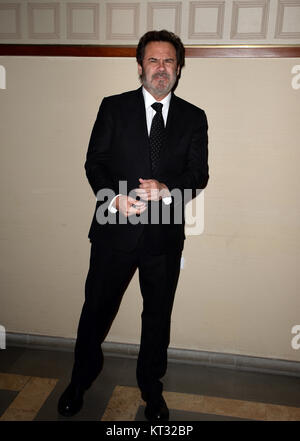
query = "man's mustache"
{"x": 161, "y": 75}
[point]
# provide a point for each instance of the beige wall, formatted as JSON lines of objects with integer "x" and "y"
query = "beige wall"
{"x": 239, "y": 289}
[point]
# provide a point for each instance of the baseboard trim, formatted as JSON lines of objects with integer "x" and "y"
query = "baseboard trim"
{"x": 204, "y": 358}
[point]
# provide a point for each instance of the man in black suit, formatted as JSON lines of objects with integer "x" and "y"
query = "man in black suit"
{"x": 147, "y": 148}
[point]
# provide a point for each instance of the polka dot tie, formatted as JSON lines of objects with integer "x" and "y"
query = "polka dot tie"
{"x": 156, "y": 134}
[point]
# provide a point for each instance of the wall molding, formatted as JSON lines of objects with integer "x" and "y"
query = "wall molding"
{"x": 175, "y": 6}
{"x": 203, "y": 358}
{"x": 217, "y": 33}
{"x": 72, "y": 8}
{"x": 54, "y": 10}
{"x": 124, "y": 21}
{"x": 242, "y": 5}
{"x": 283, "y": 5}
{"x": 206, "y": 51}
{"x": 134, "y": 9}
{"x": 16, "y": 9}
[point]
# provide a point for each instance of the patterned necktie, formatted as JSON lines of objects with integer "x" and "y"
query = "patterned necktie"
{"x": 156, "y": 134}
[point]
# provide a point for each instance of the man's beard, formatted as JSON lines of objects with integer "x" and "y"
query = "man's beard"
{"x": 162, "y": 88}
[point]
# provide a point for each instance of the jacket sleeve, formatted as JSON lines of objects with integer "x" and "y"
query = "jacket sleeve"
{"x": 195, "y": 175}
{"x": 99, "y": 150}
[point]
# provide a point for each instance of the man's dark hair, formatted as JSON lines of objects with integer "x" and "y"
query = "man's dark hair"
{"x": 161, "y": 36}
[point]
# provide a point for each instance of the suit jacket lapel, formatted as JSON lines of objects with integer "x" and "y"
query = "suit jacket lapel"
{"x": 135, "y": 111}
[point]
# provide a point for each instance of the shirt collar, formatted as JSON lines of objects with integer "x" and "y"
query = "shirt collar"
{"x": 149, "y": 99}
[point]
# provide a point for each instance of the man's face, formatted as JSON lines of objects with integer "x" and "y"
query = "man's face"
{"x": 159, "y": 70}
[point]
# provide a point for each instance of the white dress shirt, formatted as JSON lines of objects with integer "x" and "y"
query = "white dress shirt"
{"x": 150, "y": 112}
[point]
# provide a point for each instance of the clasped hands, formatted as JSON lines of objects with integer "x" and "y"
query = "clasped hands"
{"x": 149, "y": 190}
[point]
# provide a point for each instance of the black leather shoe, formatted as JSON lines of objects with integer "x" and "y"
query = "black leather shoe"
{"x": 71, "y": 400}
{"x": 157, "y": 410}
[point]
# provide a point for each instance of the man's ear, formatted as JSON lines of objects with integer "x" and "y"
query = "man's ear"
{"x": 140, "y": 70}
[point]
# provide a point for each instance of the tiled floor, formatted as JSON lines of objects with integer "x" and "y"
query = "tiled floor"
{"x": 31, "y": 382}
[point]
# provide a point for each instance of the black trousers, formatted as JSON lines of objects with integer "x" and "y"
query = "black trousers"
{"x": 109, "y": 274}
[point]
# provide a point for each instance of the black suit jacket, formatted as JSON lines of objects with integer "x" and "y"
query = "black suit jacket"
{"x": 119, "y": 151}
